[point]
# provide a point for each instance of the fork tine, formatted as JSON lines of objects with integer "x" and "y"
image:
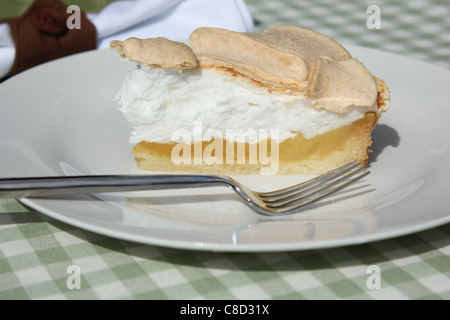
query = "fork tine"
{"x": 302, "y": 199}
{"x": 304, "y": 204}
{"x": 313, "y": 187}
{"x": 312, "y": 182}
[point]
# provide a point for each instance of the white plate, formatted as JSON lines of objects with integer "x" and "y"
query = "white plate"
{"x": 59, "y": 119}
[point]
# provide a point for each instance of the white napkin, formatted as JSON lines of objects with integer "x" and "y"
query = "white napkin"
{"x": 173, "y": 19}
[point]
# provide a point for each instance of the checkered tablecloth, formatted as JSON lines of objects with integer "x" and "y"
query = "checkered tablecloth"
{"x": 38, "y": 255}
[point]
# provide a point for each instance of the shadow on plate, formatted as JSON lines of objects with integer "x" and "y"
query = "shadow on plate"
{"x": 383, "y": 136}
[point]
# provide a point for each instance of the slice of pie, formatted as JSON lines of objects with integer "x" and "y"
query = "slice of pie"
{"x": 285, "y": 101}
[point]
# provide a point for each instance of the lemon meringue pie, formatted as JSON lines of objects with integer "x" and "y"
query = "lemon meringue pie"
{"x": 285, "y": 101}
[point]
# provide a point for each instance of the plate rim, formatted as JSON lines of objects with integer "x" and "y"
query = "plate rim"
{"x": 241, "y": 248}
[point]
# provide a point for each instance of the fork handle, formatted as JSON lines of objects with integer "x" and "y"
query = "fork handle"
{"x": 63, "y": 185}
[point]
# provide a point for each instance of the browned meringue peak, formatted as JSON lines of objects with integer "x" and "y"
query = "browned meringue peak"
{"x": 284, "y": 58}
{"x": 338, "y": 85}
{"x": 281, "y": 54}
{"x": 160, "y": 52}
{"x": 303, "y": 42}
{"x": 384, "y": 95}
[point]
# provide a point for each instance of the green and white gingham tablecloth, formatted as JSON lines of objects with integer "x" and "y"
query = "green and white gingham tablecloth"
{"x": 37, "y": 252}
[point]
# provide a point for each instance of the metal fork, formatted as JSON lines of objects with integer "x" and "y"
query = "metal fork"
{"x": 285, "y": 201}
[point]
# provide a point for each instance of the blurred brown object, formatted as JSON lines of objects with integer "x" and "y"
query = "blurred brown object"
{"x": 41, "y": 34}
